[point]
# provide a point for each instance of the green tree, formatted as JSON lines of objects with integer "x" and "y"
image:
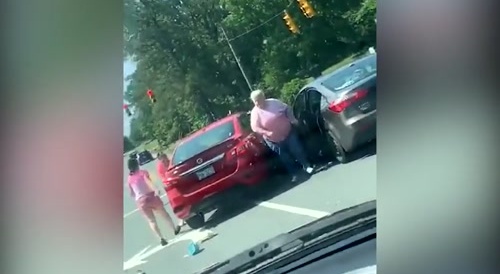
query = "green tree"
{"x": 182, "y": 56}
{"x": 127, "y": 144}
{"x": 291, "y": 88}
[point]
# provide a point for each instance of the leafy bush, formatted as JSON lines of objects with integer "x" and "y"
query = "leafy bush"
{"x": 290, "y": 89}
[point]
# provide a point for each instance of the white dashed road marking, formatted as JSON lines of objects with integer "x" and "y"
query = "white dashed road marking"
{"x": 295, "y": 210}
{"x": 291, "y": 209}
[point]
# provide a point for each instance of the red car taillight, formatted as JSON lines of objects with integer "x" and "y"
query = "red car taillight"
{"x": 343, "y": 103}
{"x": 169, "y": 183}
{"x": 239, "y": 150}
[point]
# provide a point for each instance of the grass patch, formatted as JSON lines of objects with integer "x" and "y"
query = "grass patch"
{"x": 170, "y": 149}
{"x": 340, "y": 64}
{"x": 148, "y": 145}
{"x": 153, "y": 147}
{"x": 344, "y": 62}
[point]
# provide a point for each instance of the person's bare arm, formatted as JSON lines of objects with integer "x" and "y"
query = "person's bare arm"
{"x": 132, "y": 193}
{"x": 150, "y": 182}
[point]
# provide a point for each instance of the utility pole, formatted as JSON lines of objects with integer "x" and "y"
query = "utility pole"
{"x": 237, "y": 60}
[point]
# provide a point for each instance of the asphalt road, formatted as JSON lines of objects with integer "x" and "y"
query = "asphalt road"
{"x": 276, "y": 208}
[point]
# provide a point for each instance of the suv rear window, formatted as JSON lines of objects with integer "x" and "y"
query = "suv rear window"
{"x": 350, "y": 75}
{"x": 202, "y": 142}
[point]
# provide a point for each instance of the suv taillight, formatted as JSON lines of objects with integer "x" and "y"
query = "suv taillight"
{"x": 344, "y": 102}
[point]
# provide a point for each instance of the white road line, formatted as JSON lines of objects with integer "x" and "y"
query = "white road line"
{"x": 296, "y": 210}
{"x": 291, "y": 209}
{"x": 130, "y": 213}
{"x": 135, "y": 210}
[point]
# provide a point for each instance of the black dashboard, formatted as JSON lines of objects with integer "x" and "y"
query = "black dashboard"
{"x": 356, "y": 255}
{"x": 341, "y": 243}
{"x": 357, "y": 260}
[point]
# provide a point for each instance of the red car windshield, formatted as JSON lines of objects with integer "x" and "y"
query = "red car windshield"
{"x": 202, "y": 142}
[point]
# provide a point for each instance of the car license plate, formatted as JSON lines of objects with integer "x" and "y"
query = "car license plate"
{"x": 205, "y": 173}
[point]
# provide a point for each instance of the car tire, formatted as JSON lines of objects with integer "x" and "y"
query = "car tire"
{"x": 340, "y": 154}
{"x": 197, "y": 221}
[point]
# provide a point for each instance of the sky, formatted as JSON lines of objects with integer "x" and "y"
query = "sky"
{"x": 128, "y": 68}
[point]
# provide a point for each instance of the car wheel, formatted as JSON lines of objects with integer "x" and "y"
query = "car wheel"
{"x": 340, "y": 154}
{"x": 197, "y": 221}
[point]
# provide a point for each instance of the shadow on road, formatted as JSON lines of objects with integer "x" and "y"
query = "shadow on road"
{"x": 275, "y": 185}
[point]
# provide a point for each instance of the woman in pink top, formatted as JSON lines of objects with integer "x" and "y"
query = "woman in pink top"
{"x": 273, "y": 119}
{"x": 161, "y": 168}
{"x": 162, "y": 165}
{"x": 148, "y": 201}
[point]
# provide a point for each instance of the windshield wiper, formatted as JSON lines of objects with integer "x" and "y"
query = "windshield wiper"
{"x": 337, "y": 226}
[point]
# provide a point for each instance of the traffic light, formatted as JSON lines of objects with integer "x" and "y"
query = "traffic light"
{"x": 290, "y": 23}
{"x": 306, "y": 8}
{"x": 127, "y": 110}
{"x": 151, "y": 96}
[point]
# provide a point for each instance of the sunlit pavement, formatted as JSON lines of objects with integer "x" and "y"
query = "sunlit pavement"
{"x": 263, "y": 216}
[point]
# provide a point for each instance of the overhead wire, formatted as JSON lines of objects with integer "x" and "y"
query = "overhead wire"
{"x": 261, "y": 24}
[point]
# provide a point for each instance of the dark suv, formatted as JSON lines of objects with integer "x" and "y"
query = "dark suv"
{"x": 145, "y": 157}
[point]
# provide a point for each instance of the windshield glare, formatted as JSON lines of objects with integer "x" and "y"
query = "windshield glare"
{"x": 203, "y": 142}
{"x": 351, "y": 75}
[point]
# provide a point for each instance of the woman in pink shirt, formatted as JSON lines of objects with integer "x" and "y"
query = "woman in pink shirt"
{"x": 273, "y": 119}
{"x": 162, "y": 165}
{"x": 161, "y": 168}
{"x": 148, "y": 201}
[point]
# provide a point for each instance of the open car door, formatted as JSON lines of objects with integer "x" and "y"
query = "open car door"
{"x": 299, "y": 108}
{"x": 312, "y": 139}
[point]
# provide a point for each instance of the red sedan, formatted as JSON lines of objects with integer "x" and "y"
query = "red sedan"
{"x": 211, "y": 161}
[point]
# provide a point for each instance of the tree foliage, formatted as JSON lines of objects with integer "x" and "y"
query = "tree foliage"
{"x": 127, "y": 144}
{"x": 290, "y": 89}
{"x": 182, "y": 56}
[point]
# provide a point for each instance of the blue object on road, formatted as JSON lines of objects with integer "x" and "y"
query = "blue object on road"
{"x": 193, "y": 248}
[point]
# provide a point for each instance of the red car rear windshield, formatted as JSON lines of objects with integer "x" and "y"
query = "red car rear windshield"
{"x": 202, "y": 142}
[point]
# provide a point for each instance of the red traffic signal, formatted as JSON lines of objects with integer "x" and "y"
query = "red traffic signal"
{"x": 151, "y": 96}
{"x": 127, "y": 110}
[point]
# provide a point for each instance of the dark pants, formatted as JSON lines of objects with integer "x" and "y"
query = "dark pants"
{"x": 290, "y": 150}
